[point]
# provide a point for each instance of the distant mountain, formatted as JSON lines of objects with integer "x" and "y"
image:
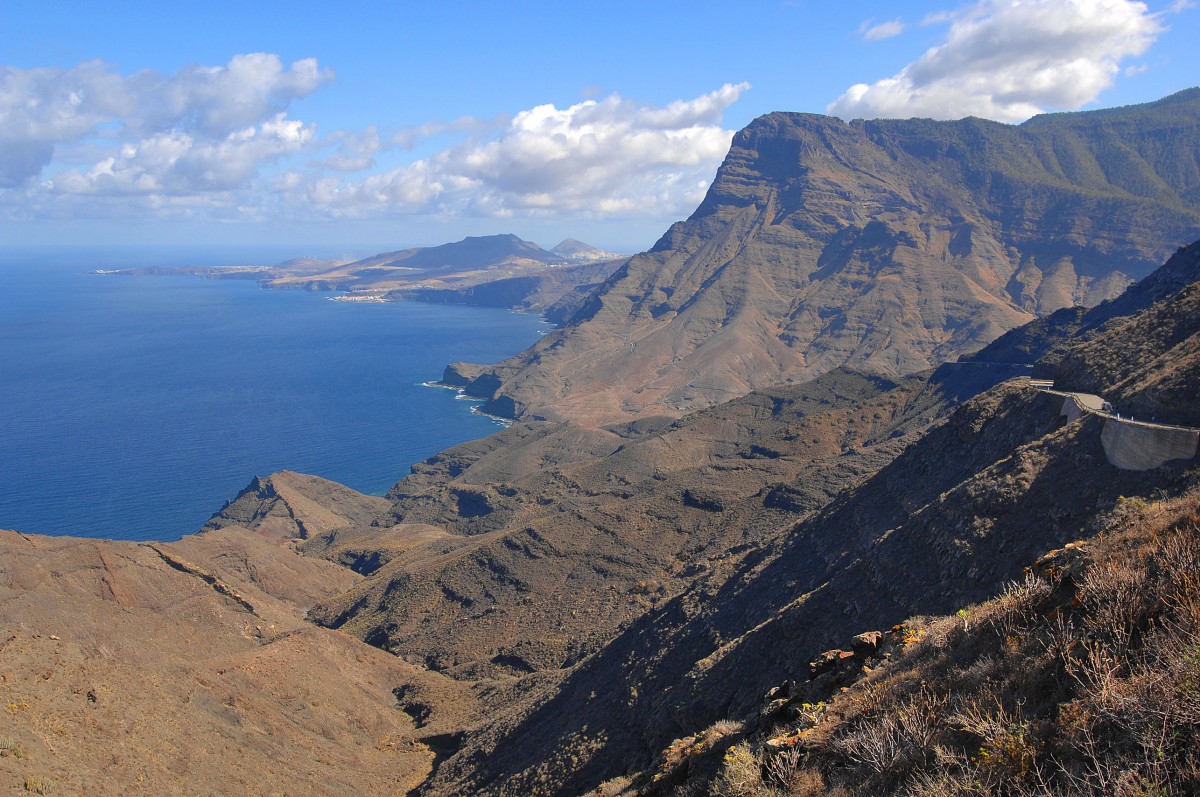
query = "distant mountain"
{"x": 471, "y": 252}
{"x": 886, "y": 245}
{"x": 501, "y": 270}
{"x": 578, "y": 251}
{"x": 507, "y": 255}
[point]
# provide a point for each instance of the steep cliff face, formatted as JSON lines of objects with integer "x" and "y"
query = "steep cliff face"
{"x": 886, "y": 245}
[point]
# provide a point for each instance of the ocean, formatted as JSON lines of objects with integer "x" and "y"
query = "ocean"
{"x": 134, "y": 407}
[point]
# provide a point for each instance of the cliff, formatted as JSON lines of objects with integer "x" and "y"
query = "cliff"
{"x": 888, "y": 246}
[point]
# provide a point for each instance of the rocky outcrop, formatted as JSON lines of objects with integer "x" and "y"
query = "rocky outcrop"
{"x": 288, "y": 505}
{"x": 886, "y": 245}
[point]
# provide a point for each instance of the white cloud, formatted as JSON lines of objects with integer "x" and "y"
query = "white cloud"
{"x": 218, "y": 142}
{"x": 356, "y": 150}
{"x": 174, "y": 162}
{"x": 606, "y": 157}
{"x": 217, "y": 100}
{"x": 876, "y": 32}
{"x": 42, "y": 109}
{"x": 1010, "y": 59}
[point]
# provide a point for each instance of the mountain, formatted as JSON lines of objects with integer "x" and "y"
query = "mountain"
{"x": 418, "y": 266}
{"x": 560, "y": 602}
{"x": 1059, "y": 684}
{"x": 887, "y": 245}
{"x": 470, "y": 252}
{"x": 578, "y": 251}
{"x": 466, "y": 264}
{"x": 491, "y": 271}
{"x": 633, "y": 583}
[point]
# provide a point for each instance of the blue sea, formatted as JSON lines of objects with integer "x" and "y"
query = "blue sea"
{"x": 134, "y": 407}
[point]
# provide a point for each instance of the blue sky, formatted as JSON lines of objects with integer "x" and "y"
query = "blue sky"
{"x": 377, "y": 125}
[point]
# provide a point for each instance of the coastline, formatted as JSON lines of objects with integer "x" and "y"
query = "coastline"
{"x": 461, "y": 395}
{"x": 254, "y": 369}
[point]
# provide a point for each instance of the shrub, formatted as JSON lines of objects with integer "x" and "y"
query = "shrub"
{"x": 39, "y": 784}
{"x": 897, "y": 736}
{"x": 741, "y": 774}
{"x": 10, "y": 747}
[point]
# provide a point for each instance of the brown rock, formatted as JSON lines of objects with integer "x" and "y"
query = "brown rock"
{"x": 827, "y": 662}
{"x": 868, "y": 643}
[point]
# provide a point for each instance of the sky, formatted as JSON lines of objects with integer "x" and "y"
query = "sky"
{"x": 371, "y": 126}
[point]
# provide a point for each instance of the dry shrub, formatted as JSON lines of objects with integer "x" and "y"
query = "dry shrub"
{"x": 39, "y": 784}
{"x": 719, "y": 730}
{"x": 941, "y": 782}
{"x": 805, "y": 783}
{"x": 896, "y": 737}
{"x": 1135, "y": 725}
{"x": 615, "y": 787}
{"x": 741, "y": 774}
{"x": 1016, "y": 610}
{"x": 1008, "y": 749}
{"x": 1116, "y": 600}
{"x": 1179, "y": 557}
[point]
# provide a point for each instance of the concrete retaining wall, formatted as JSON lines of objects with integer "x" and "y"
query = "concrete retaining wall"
{"x": 1133, "y": 446}
{"x": 1075, "y": 405}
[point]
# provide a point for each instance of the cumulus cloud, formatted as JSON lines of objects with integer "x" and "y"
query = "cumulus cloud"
{"x": 874, "y": 31}
{"x": 217, "y": 100}
{"x": 205, "y": 106}
{"x": 219, "y": 141}
{"x": 174, "y": 162}
{"x": 1010, "y": 59}
{"x": 605, "y": 157}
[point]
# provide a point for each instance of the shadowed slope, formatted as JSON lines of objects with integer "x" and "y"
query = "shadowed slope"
{"x": 948, "y": 522}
